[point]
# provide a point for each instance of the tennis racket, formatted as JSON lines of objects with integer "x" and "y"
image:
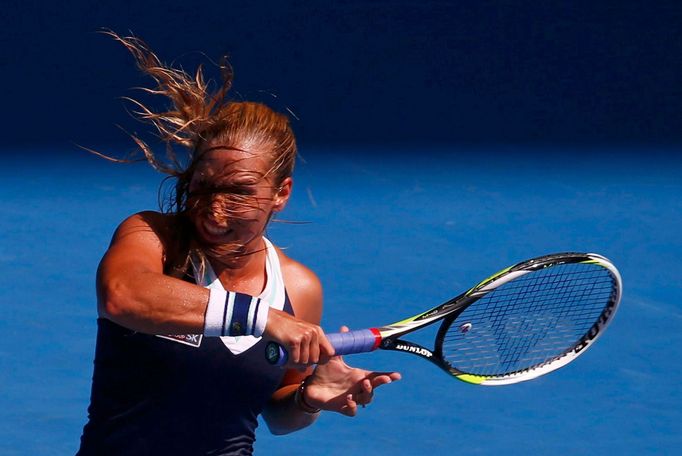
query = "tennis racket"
{"x": 525, "y": 321}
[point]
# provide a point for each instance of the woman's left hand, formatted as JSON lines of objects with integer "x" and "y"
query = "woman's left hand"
{"x": 338, "y": 387}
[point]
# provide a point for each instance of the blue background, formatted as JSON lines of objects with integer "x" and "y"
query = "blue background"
{"x": 362, "y": 72}
{"x": 440, "y": 144}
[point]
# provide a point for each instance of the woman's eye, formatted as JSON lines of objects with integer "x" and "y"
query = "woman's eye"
{"x": 244, "y": 190}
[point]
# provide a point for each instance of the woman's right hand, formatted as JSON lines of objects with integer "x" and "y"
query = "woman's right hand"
{"x": 305, "y": 342}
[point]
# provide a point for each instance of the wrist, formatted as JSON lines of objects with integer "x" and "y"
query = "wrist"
{"x": 300, "y": 399}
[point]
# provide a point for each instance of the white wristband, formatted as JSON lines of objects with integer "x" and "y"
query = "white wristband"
{"x": 261, "y": 319}
{"x": 234, "y": 314}
{"x": 213, "y": 319}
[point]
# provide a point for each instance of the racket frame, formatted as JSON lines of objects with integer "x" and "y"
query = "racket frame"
{"x": 450, "y": 310}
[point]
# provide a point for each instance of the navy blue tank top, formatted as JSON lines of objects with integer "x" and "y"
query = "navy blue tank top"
{"x": 187, "y": 395}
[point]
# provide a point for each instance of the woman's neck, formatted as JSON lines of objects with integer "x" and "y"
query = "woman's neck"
{"x": 243, "y": 273}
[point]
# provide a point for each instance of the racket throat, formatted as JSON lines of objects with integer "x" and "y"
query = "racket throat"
{"x": 407, "y": 347}
{"x": 415, "y": 349}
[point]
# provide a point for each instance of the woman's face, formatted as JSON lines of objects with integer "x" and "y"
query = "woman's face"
{"x": 231, "y": 198}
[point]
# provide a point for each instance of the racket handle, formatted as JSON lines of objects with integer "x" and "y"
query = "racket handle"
{"x": 346, "y": 343}
{"x": 360, "y": 341}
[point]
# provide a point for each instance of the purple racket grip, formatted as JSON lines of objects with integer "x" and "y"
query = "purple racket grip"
{"x": 360, "y": 341}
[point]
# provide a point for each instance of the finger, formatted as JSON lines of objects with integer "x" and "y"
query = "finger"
{"x": 364, "y": 398}
{"x": 351, "y": 407}
{"x": 294, "y": 353}
{"x": 314, "y": 349}
{"x": 381, "y": 378}
{"x": 305, "y": 349}
{"x": 326, "y": 348}
{"x": 366, "y": 394}
{"x": 366, "y": 386}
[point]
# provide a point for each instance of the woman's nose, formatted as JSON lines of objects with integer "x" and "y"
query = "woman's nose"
{"x": 218, "y": 208}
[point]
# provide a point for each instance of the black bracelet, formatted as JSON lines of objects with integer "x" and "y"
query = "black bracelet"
{"x": 300, "y": 402}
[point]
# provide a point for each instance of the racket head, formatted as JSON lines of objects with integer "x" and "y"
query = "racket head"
{"x": 529, "y": 319}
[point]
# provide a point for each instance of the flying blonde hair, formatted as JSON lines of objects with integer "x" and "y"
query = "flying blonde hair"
{"x": 198, "y": 117}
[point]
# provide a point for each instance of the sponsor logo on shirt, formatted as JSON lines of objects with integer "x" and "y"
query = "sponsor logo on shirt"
{"x": 193, "y": 340}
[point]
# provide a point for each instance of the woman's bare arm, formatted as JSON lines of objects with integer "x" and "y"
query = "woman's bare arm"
{"x": 132, "y": 289}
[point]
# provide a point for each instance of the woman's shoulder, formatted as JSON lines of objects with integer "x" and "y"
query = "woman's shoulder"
{"x": 296, "y": 272}
{"x": 303, "y": 286}
{"x": 166, "y": 233}
{"x": 151, "y": 223}
{"x": 152, "y": 219}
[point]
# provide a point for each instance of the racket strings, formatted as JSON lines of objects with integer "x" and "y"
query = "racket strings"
{"x": 529, "y": 321}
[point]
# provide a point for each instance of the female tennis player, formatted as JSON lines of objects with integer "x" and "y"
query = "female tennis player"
{"x": 189, "y": 298}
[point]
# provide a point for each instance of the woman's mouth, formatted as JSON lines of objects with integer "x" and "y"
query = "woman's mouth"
{"x": 214, "y": 232}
